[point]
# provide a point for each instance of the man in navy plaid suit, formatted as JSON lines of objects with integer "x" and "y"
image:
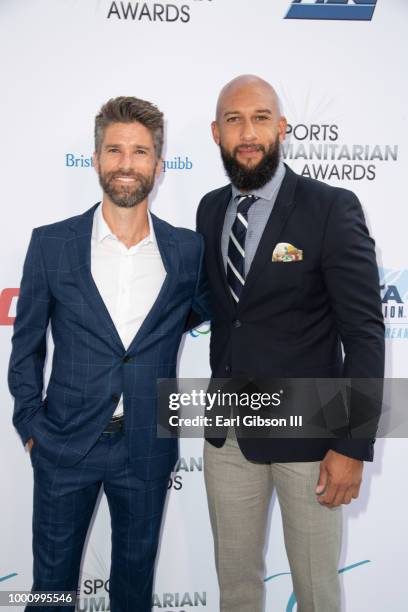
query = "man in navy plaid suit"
{"x": 116, "y": 284}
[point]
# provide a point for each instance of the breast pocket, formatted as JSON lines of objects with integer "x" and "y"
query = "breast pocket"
{"x": 284, "y": 276}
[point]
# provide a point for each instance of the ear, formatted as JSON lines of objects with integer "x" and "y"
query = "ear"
{"x": 215, "y": 132}
{"x": 282, "y": 125}
{"x": 159, "y": 168}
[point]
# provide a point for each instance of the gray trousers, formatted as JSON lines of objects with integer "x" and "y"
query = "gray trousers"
{"x": 239, "y": 493}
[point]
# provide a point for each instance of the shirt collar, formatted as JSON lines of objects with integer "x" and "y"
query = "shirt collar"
{"x": 268, "y": 191}
{"x": 101, "y": 230}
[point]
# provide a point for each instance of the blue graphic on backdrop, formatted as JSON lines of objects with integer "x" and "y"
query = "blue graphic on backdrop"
{"x": 394, "y": 298}
{"x": 3, "y": 578}
{"x": 201, "y": 330}
{"x": 344, "y": 10}
{"x": 292, "y": 599}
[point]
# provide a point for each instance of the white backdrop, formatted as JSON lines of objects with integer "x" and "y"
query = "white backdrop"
{"x": 61, "y": 60}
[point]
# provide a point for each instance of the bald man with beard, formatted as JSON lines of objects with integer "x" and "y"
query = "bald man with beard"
{"x": 294, "y": 280}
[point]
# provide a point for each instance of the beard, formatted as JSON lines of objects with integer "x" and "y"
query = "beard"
{"x": 245, "y": 178}
{"x": 126, "y": 196}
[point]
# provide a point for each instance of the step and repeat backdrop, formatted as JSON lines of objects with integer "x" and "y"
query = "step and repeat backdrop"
{"x": 340, "y": 69}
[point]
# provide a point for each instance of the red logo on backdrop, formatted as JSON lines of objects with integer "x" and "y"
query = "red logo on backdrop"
{"x": 6, "y": 299}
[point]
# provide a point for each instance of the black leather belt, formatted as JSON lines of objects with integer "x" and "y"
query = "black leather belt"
{"x": 114, "y": 425}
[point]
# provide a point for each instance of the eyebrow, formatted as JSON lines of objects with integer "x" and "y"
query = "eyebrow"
{"x": 137, "y": 146}
{"x": 259, "y": 110}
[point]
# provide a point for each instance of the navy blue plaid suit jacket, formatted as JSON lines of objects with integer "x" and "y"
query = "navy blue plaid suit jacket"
{"x": 90, "y": 367}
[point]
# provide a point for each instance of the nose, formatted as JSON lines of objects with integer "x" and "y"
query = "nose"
{"x": 125, "y": 160}
{"x": 248, "y": 133}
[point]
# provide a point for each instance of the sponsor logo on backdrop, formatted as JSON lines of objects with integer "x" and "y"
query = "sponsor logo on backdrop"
{"x": 182, "y": 467}
{"x": 202, "y": 330}
{"x": 178, "y": 162}
{"x": 323, "y": 155}
{"x": 8, "y": 300}
{"x": 344, "y": 10}
{"x": 290, "y": 606}
{"x": 93, "y": 595}
{"x": 394, "y": 289}
{"x": 153, "y": 12}
{"x": 78, "y": 161}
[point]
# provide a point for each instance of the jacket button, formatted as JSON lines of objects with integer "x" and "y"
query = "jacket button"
{"x": 228, "y": 368}
{"x": 127, "y": 359}
{"x": 237, "y": 323}
{"x": 115, "y": 398}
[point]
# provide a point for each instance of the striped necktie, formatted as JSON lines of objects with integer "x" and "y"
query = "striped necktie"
{"x": 236, "y": 246}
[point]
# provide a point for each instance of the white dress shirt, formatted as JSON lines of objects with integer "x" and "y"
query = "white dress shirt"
{"x": 129, "y": 280}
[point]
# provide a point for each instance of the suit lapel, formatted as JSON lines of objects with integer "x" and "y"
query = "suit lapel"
{"x": 221, "y": 209}
{"x": 79, "y": 252}
{"x": 169, "y": 253}
{"x": 280, "y": 213}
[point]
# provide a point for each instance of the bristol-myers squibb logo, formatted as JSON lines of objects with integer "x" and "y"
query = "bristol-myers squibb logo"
{"x": 351, "y": 10}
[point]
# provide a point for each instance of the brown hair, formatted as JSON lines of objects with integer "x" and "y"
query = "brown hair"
{"x": 126, "y": 109}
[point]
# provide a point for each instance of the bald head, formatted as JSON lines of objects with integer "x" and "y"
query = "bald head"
{"x": 249, "y": 128}
{"x": 243, "y": 86}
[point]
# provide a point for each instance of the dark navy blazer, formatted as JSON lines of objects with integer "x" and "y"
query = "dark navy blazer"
{"x": 293, "y": 319}
{"x": 90, "y": 367}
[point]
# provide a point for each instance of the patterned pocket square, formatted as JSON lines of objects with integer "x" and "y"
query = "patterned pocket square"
{"x": 285, "y": 252}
